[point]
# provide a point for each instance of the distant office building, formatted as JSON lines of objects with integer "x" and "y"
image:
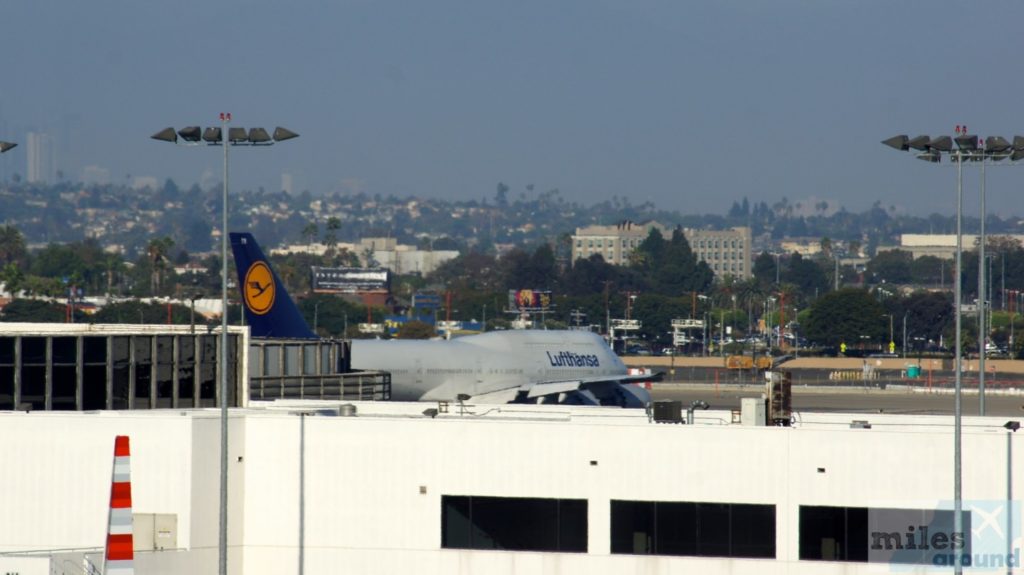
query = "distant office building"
{"x": 95, "y": 175}
{"x": 287, "y": 184}
{"x": 401, "y": 259}
{"x": 614, "y": 243}
{"x": 942, "y": 246}
{"x": 42, "y": 164}
{"x": 727, "y": 252}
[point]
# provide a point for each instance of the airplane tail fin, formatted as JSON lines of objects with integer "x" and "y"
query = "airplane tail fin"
{"x": 269, "y": 311}
{"x": 119, "y": 551}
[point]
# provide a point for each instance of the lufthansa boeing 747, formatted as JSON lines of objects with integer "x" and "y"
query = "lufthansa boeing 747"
{"x": 520, "y": 366}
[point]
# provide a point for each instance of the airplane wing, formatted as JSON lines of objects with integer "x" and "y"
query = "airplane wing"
{"x": 601, "y": 390}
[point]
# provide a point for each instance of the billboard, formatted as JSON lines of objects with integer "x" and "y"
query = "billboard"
{"x": 529, "y": 300}
{"x": 350, "y": 280}
{"x": 426, "y": 300}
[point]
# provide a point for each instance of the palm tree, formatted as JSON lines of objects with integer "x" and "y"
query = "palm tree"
{"x": 310, "y": 232}
{"x": 157, "y": 251}
{"x": 114, "y": 269}
{"x": 750, "y": 295}
{"x": 331, "y": 239}
{"x": 12, "y": 245}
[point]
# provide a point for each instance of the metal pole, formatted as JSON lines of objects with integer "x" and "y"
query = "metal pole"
{"x": 904, "y": 336}
{"x": 1010, "y": 346}
{"x": 1010, "y": 503}
{"x": 222, "y": 543}
{"x": 957, "y": 501}
{"x": 721, "y": 334}
{"x": 302, "y": 493}
{"x": 890, "y": 328}
{"x": 796, "y": 336}
{"x": 982, "y": 304}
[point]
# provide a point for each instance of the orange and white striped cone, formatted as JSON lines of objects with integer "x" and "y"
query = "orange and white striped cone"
{"x": 119, "y": 553}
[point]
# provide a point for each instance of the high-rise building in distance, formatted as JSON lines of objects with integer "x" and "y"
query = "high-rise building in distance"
{"x": 42, "y": 164}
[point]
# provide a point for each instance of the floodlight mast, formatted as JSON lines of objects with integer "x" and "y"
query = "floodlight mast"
{"x": 967, "y": 149}
{"x": 214, "y": 136}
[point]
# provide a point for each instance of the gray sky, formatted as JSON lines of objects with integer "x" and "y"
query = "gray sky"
{"x": 691, "y": 105}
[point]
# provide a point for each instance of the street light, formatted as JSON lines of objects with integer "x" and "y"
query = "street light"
{"x": 192, "y": 311}
{"x": 214, "y": 136}
{"x": 891, "y": 344}
{"x": 992, "y": 149}
{"x": 967, "y": 149}
{"x": 905, "y": 334}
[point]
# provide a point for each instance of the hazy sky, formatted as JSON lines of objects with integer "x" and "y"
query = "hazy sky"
{"x": 690, "y": 105}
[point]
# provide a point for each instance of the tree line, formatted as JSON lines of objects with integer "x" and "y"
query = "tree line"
{"x": 663, "y": 280}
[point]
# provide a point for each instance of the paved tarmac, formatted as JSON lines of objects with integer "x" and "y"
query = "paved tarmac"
{"x": 849, "y": 399}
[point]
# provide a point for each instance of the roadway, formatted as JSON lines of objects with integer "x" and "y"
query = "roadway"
{"x": 852, "y": 399}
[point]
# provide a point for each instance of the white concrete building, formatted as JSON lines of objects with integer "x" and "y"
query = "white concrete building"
{"x": 942, "y": 246}
{"x": 531, "y": 489}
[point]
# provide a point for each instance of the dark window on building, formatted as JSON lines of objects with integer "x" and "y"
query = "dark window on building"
{"x": 33, "y": 386}
{"x": 64, "y": 382}
{"x": 120, "y": 356}
{"x": 63, "y": 387}
{"x": 876, "y": 535}
{"x": 164, "y": 371}
{"x": 6, "y": 387}
{"x": 94, "y": 387}
{"x": 7, "y": 351}
{"x": 753, "y": 530}
{"x": 208, "y": 370}
{"x": 834, "y": 533}
{"x": 7, "y": 373}
{"x": 33, "y": 372}
{"x": 186, "y": 371}
{"x": 94, "y": 373}
{"x": 33, "y": 351}
{"x": 633, "y": 527}
{"x": 65, "y": 351}
{"x": 914, "y": 536}
{"x": 514, "y": 523}
{"x": 143, "y": 371}
{"x": 675, "y": 526}
{"x": 713, "y": 529}
{"x": 693, "y": 529}
{"x": 94, "y": 350}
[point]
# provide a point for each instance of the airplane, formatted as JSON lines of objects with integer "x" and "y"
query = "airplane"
{"x": 514, "y": 366}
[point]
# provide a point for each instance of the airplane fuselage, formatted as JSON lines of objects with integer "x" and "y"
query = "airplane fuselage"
{"x": 486, "y": 363}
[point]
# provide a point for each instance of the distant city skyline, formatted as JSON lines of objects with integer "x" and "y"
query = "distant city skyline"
{"x": 689, "y": 106}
